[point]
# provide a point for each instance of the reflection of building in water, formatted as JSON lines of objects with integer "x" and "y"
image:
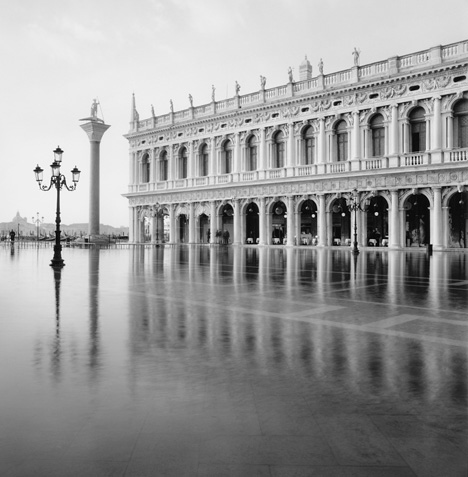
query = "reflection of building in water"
{"x": 277, "y": 166}
{"x": 261, "y": 314}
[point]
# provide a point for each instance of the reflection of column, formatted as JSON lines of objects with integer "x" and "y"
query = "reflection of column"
{"x": 262, "y": 221}
{"x": 290, "y": 226}
{"x": 437, "y": 279}
{"x": 94, "y": 310}
{"x": 436, "y": 219}
{"x": 322, "y": 221}
{"x": 394, "y": 231}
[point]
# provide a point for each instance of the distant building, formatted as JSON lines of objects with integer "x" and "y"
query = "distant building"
{"x": 283, "y": 164}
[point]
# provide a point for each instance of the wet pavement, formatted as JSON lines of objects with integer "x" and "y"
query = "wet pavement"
{"x": 223, "y": 361}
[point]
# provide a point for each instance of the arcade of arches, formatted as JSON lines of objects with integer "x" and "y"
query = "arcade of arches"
{"x": 387, "y": 218}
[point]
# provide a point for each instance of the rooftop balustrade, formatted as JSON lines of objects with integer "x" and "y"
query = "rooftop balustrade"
{"x": 438, "y": 55}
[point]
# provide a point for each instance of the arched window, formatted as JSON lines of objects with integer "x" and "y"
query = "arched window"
{"x": 252, "y": 149}
{"x": 204, "y": 161}
{"x": 145, "y": 169}
{"x": 417, "y": 130}
{"x": 341, "y": 142}
{"x": 183, "y": 163}
{"x": 227, "y": 158}
{"x": 309, "y": 145}
{"x": 461, "y": 123}
{"x": 377, "y": 136}
{"x": 163, "y": 169}
{"x": 278, "y": 150}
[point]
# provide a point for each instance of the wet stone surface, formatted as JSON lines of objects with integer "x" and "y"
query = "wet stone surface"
{"x": 217, "y": 361}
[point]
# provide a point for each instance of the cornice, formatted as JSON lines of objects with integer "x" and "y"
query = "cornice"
{"x": 307, "y": 100}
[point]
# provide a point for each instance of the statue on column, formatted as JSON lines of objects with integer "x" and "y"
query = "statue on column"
{"x": 94, "y": 107}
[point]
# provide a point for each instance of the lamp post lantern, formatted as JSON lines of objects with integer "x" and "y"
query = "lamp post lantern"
{"x": 37, "y": 222}
{"x": 354, "y": 206}
{"x": 58, "y": 181}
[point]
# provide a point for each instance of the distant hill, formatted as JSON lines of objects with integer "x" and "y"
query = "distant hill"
{"x": 28, "y": 228}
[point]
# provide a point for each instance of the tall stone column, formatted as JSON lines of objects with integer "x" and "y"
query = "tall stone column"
{"x": 95, "y": 129}
{"x": 237, "y": 222}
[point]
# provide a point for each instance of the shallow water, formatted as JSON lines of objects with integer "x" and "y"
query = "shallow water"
{"x": 232, "y": 361}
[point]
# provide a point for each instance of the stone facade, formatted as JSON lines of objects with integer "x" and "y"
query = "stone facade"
{"x": 376, "y": 153}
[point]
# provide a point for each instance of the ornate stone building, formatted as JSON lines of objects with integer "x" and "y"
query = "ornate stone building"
{"x": 379, "y": 150}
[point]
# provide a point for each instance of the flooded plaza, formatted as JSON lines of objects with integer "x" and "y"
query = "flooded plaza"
{"x": 233, "y": 361}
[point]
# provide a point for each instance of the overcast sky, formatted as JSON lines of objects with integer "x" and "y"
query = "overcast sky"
{"x": 57, "y": 55}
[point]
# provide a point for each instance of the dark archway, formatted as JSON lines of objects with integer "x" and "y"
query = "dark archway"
{"x": 227, "y": 222}
{"x": 418, "y": 224}
{"x": 341, "y": 223}
{"x": 252, "y": 223}
{"x": 377, "y": 221}
{"x": 308, "y": 223}
{"x": 204, "y": 229}
{"x": 183, "y": 228}
{"x": 278, "y": 222}
{"x": 458, "y": 219}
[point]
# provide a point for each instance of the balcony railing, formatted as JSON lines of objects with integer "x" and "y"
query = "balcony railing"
{"x": 414, "y": 159}
{"x": 458, "y": 155}
{"x": 420, "y": 159}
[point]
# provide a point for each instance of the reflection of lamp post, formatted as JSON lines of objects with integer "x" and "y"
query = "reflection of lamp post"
{"x": 37, "y": 221}
{"x": 58, "y": 180}
{"x": 354, "y": 206}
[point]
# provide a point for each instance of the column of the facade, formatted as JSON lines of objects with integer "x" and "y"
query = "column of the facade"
{"x": 171, "y": 166}
{"x": 322, "y": 221}
{"x": 262, "y": 222}
{"x": 291, "y": 153}
{"x": 393, "y": 140}
{"x": 449, "y": 131}
{"x": 321, "y": 146}
{"x": 436, "y": 220}
{"x": 394, "y": 229}
{"x": 237, "y": 153}
{"x": 152, "y": 177}
{"x": 405, "y": 137}
{"x": 172, "y": 224}
{"x": 237, "y": 222}
{"x": 131, "y": 222}
{"x": 290, "y": 225}
{"x": 356, "y": 137}
{"x": 191, "y": 160}
{"x": 213, "y": 222}
{"x": 436, "y": 136}
{"x": 192, "y": 223}
{"x": 262, "y": 150}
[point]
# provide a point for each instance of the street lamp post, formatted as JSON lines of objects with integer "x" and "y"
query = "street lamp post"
{"x": 37, "y": 221}
{"x": 58, "y": 180}
{"x": 354, "y": 206}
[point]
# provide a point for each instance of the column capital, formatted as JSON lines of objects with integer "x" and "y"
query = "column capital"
{"x": 95, "y": 130}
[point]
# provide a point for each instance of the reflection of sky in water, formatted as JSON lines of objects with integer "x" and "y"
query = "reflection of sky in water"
{"x": 116, "y": 329}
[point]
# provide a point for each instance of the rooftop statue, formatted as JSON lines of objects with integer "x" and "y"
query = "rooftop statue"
{"x": 320, "y": 65}
{"x": 356, "y": 54}
{"x": 262, "y": 81}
